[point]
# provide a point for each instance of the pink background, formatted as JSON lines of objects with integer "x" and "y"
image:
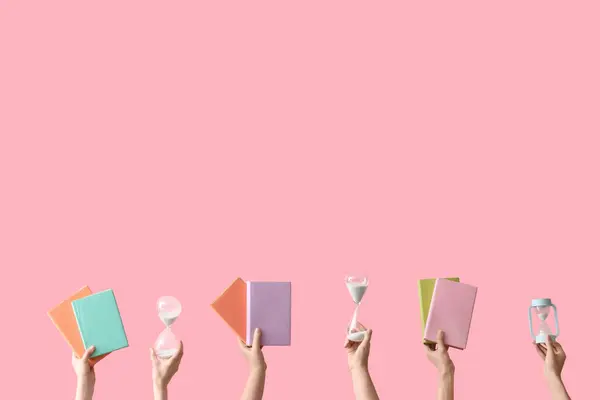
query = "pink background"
{"x": 168, "y": 147}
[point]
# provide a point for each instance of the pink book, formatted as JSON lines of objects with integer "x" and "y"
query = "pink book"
{"x": 269, "y": 307}
{"x": 451, "y": 311}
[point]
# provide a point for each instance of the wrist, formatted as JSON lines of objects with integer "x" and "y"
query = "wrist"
{"x": 446, "y": 372}
{"x": 359, "y": 369}
{"x": 259, "y": 369}
{"x": 86, "y": 381}
{"x": 159, "y": 385}
{"x": 160, "y": 391}
{"x": 553, "y": 377}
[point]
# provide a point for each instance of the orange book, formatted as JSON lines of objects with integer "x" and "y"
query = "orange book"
{"x": 64, "y": 319}
{"x": 231, "y": 306}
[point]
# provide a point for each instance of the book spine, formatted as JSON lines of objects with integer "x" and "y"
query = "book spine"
{"x": 248, "y": 313}
{"x": 422, "y": 306}
{"x": 77, "y": 318}
{"x": 289, "y": 341}
{"x": 428, "y": 334}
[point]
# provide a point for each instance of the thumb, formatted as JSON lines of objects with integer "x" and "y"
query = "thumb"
{"x": 440, "y": 340}
{"x": 550, "y": 347}
{"x": 87, "y": 354}
{"x": 256, "y": 339}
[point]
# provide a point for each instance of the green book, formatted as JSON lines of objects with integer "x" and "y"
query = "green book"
{"x": 426, "y": 287}
{"x": 100, "y": 323}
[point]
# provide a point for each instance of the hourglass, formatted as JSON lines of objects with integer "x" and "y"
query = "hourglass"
{"x": 543, "y": 309}
{"x": 357, "y": 286}
{"x": 166, "y": 344}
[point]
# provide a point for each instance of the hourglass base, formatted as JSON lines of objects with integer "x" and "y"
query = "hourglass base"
{"x": 541, "y": 338}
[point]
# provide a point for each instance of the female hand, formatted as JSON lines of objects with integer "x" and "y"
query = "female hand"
{"x": 438, "y": 354}
{"x": 553, "y": 355}
{"x": 163, "y": 369}
{"x": 358, "y": 353}
{"x": 254, "y": 354}
{"x": 81, "y": 366}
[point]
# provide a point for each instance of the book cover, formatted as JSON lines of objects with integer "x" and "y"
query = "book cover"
{"x": 269, "y": 307}
{"x": 231, "y": 307}
{"x": 100, "y": 323}
{"x": 426, "y": 287}
{"x": 63, "y": 318}
{"x": 451, "y": 310}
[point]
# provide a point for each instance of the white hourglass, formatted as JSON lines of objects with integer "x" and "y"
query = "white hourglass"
{"x": 357, "y": 286}
{"x": 169, "y": 309}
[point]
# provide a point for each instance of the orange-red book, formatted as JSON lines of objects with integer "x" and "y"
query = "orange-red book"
{"x": 231, "y": 306}
{"x": 64, "y": 319}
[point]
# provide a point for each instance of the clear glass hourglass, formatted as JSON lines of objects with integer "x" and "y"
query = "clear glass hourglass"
{"x": 546, "y": 323}
{"x": 357, "y": 286}
{"x": 169, "y": 309}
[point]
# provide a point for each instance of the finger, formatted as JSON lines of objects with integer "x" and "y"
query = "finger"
{"x": 179, "y": 352}
{"x": 152, "y": 354}
{"x": 351, "y": 346}
{"x": 558, "y": 347}
{"x": 549, "y": 343}
{"x": 540, "y": 350}
{"x": 88, "y": 353}
{"x": 256, "y": 338}
{"x": 242, "y": 345}
{"x": 440, "y": 340}
{"x": 367, "y": 339}
{"x": 429, "y": 346}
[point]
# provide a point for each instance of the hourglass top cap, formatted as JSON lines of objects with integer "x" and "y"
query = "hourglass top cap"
{"x": 541, "y": 302}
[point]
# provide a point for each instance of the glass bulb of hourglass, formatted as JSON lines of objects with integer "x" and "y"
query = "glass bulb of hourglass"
{"x": 357, "y": 332}
{"x": 166, "y": 344}
{"x": 357, "y": 286}
{"x": 542, "y": 312}
{"x": 168, "y": 308}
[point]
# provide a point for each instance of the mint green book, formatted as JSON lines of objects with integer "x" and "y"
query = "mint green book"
{"x": 100, "y": 323}
{"x": 426, "y": 287}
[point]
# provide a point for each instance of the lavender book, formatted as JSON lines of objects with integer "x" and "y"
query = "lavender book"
{"x": 269, "y": 307}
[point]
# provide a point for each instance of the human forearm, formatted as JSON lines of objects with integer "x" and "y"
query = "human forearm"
{"x": 255, "y": 385}
{"x": 364, "y": 389}
{"x": 160, "y": 392}
{"x": 446, "y": 386}
{"x": 557, "y": 388}
{"x": 85, "y": 390}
